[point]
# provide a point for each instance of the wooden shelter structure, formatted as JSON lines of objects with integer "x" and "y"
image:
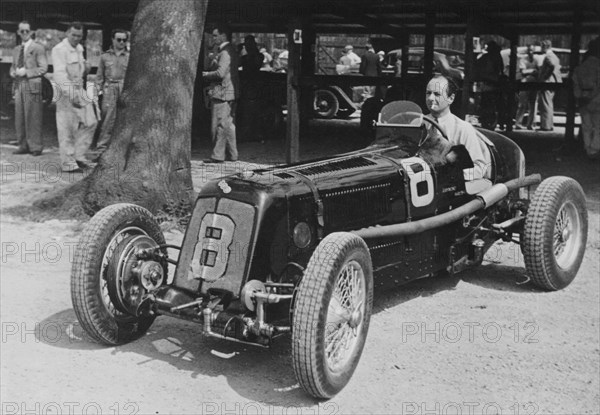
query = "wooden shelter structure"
{"x": 303, "y": 20}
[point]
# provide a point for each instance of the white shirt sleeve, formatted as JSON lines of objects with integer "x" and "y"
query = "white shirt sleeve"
{"x": 461, "y": 132}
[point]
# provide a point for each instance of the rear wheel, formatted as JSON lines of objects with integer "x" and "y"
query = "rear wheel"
{"x": 555, "y": 233}
{"x": 332, "y": 310}
{"x": 325, "y": 104}
{"x": 107, "y": 279}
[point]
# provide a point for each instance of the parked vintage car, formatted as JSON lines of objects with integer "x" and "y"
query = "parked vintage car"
{"x": 298, "y": 248}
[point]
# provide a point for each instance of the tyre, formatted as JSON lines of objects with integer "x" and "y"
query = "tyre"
{"x": 105, "y": 290}
{"x": 555, "y": 233}
{"x": 331, "y": 314}
{"x": 325, "y": 104}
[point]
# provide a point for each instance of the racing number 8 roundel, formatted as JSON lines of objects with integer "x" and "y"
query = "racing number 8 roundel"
{"x": 212, "y": 248}
{"x": 420, "y": 179}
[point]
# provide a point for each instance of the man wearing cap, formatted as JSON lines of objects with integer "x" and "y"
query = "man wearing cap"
{"x": 28, "y": 66}
{"x": 109, "y": 81}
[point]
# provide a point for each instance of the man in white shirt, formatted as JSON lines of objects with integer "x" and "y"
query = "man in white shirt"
{"x": 75, "y": 117}
{"x": 440, "y": 94}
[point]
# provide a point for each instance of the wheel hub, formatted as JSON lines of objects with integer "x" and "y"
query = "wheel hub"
{"x": 355, "y": 319}
{"x": 128, "y": 278}
{"x": 566, "y": 233}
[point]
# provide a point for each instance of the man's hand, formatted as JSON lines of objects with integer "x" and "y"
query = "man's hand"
{"x": 77, "y": 101}
{"x": 21, "y": 72}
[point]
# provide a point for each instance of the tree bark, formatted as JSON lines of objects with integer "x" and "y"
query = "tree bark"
{"x": 148, "y": 159}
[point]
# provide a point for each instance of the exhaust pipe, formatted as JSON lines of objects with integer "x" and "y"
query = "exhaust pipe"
{"x": 482, "y": 200}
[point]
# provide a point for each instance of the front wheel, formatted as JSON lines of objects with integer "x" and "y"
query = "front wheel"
{"x": 108, "y": 280}
{"x": 332, "y": 310}
{"x": 555, "y": 233}
{"x": 325, "y": 104}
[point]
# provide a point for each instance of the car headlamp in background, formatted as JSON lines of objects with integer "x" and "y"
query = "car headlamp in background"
{"x": 302, "y": 235}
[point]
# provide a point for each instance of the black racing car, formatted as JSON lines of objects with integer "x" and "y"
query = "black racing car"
{"x": 298, "y": 248}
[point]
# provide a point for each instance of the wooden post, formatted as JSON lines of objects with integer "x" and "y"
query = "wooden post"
{"x": 404, "y": 68}
{"x": 512, "y": 74}
{"x": 429, "y": 44}
{"x": 573, "y": 62}
{"x": 292, "y": 137}
{"x": 308, "y": 62}
{"x": 469, "y": 59}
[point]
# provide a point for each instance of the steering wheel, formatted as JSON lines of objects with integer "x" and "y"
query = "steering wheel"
{"x": 437, "y": 126}
{"x": 399, "y": 118}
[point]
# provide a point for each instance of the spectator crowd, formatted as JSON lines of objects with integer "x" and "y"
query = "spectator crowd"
{"x": 79, "y": 115}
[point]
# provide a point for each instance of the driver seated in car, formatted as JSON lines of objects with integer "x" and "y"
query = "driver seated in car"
{"x": 440, "y": 94}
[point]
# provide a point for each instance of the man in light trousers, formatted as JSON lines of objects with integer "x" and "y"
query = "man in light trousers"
{"x": 75, "y": 117}
{"x": 223, "y": 92}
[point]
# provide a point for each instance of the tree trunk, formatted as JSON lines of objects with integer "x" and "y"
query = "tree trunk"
{"x": 148, "y": 160}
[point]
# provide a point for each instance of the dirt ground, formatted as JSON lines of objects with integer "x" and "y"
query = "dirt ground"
{"x": 483, "y": 342}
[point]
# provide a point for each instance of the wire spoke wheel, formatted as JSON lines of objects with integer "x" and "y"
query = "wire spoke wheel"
{"x": 345, "y": 316}
{"x": 555, "y": 233}
{"x": 332, "y": 310}
{"x": 567, "y": 240}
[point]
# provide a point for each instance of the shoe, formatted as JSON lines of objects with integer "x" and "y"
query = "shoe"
{"x": 530, "y": 128}
{"x": 211, "y": 161}
{"x": 21, "y": 151}
{"x": 77, "y": 170}
{"x": 83, "y": 165}
{"x": 519, "y": 127}
{"x": 545, "y": 129}
{"x": 36, "y": 153}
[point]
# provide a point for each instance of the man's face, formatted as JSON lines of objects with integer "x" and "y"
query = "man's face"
{"x": 436, "y": 96}
{"x": 217, "y": 37}
{"x": 74, "y": 36}
{"x": 119, "y": 41}
{"x": 24, "y": 31}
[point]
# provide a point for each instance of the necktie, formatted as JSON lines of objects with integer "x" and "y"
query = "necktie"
{"x": 21, "y": 61}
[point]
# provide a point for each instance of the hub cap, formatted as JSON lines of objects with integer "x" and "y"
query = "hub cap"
{"x": 117, "y": 239}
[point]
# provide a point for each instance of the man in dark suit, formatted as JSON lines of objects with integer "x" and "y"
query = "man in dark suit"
{"x": 28, "y": 66}
{"x": 370, "y": 65}
{"x": 223, "y": 91}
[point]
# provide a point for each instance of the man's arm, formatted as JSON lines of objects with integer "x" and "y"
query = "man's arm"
{"x": 41, "y": 63}
{"x": 468, "y": 137}
{"x": 224, "y": 64}
{"x": 13, "y": 65}
{"x": 100, "y": 75}
{"x": 363, "y": 65}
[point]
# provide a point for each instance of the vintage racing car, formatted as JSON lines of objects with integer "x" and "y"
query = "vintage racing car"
{"x": 298, "y": 248}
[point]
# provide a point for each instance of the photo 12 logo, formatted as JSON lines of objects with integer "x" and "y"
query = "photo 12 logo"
{"x": 69, "y": 408}
{"x": 470, "y": 331}
{"x": 468, "y": 408}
